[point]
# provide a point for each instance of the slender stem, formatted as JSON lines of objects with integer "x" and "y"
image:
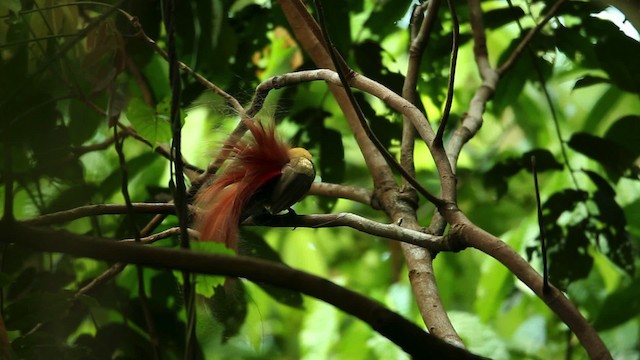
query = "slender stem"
{"x": 180, "y": 192}
{"x": 144, "y": 301}
{"x": 8, "y": 182}
{"x": 525, "y": 44}
{"x": 508, "y": 64}
{"x": 452, "y": 74}
{"x": 543, "y": 242}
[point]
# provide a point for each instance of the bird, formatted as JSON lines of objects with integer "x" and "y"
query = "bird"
{"x": 262, "y": 174}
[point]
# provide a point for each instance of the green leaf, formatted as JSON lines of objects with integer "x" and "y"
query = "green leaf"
{"x": 229, "y": 306}
{"x": 626, "y": 298}
{"x": 478, "y": 336}
{"x": 251, "y": 244}
{"x": 135, "y": 166}
{"x": 622, "y": 68}
{"x": 144, "y": 120}
{"x": 498, "y": 175}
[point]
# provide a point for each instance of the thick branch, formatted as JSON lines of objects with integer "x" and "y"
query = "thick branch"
{"x": 309, "y": 35}
{"x": 420, "y": 260}
{"x": 473, "y": 236}
{"x": 389, "y": 324}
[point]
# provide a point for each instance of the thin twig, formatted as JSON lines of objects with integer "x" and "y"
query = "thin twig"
{"x": 100, "y": 209}
{"x": 8, "y": 181}
{"x": 452, "y": 74}
{"x": 543, "y": 241}
{"x": 536, "y": 67}
{"x": 177, "y": 179}
{"x": 527, "y": 39}
{"x": 142, "y": 295}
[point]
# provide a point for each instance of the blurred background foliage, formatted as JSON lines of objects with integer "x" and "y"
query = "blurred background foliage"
{"x": 70, "y": 71}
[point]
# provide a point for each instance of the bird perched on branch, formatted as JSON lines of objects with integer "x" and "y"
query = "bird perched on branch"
{"x": 262, "y": 173}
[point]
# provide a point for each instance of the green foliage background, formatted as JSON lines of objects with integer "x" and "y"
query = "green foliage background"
{"x": 65, "y": 79}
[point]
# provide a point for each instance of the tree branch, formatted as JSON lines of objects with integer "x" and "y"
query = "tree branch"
{"x": 309, "y": 34}
{"x": 527, "y": 39}
{"x": 100, "y": 209}
{"x": 389, "y": 231}
{"x": 405, "y": 334}
{"x": 470, "y": 234}
{"x": 348, "y": 192}
{"x": 420, "y": 260}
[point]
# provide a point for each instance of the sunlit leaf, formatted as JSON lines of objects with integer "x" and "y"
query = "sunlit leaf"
{"x": 147, "y": 123}
{"x": 253, "y": 245}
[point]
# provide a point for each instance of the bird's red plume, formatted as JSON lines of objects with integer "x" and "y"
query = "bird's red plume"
{"x": 251, "y": 163}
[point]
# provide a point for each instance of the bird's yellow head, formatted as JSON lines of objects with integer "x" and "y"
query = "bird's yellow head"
{"x": 300, "y": 153}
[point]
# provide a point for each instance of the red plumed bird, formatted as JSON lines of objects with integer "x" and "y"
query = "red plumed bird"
{"x": 261, "y": 172}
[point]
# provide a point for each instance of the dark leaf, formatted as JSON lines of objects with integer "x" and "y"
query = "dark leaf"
{"x": 572, "y": 42}
{"x": 385, "y": 130}
{"x": 620, "y": 249}
{"x": 116, "y": 338}
{"x": 587, "y": 81}
{"x": 83, "y": 122}
{"x": 368, "y": 56}
{"x": 332, "y": 165}
{"x": 621, "y": 68}
{"x": 560, "y": 202}
{"x": 612, "y": 156}
{"x": 578, "y": 8}
{"x": 339, "y": 25}
{"x": 386, "y": 16}
{"x": 496, "y": 18}
{"x": 229, "y": 306}
{"x": 25, "y": 313}
{"x": 498, "y": 175}
{"x": 47, "y": 345}
{"x": 609, "y": 211}
{"x": 72, "y": 197}
{"x": 545, "y": 161}
{"x": 513, "y": 82}
{"x": 626, "y": 132}
{"x": 600, "y": 183}
{"x": 569, "y": 260}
